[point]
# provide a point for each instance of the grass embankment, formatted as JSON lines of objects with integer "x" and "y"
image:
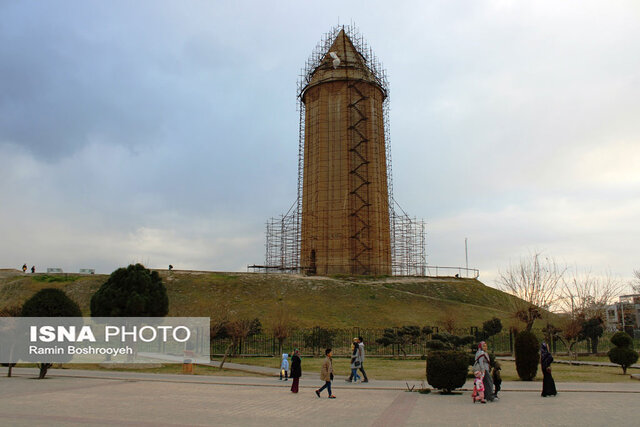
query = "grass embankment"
{"x": 338, "y": 302}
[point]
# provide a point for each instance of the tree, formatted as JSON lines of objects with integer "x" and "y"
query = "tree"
{"x": 588, "y": 295}
{"x": 12, "y": 311}
{"x": 238, "y": 330}
{"x": 319, "y": 338}
{"x": 623, "y": 353}
{"x": 282, "y": 326}
{"x": 571, "y": 334}
{"x": 131, "y": 292}
{"x": 449, "y": 322}
{"x": 635, "y": 285}
{"x": 402, "y": 337}
{"x": 50, "y": 302}
{"x": 489, "y": 328}
{"x": 592, "y": 330}
{"x": 534, "y": 282}
{"x": 446, "y": 341}
{"x": 527, "y": 355}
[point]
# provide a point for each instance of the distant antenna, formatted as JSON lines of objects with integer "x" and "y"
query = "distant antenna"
{"x": 466, "y": 254}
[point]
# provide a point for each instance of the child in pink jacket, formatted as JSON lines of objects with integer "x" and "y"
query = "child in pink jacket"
{"x": 478, "y": 388}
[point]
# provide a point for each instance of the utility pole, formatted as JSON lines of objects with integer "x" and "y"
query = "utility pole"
{"x": 466, "y": 255}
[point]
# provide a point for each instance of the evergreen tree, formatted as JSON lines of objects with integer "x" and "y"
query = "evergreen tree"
{"x": 50, "y": 302}
{"x": 134, "y": 291}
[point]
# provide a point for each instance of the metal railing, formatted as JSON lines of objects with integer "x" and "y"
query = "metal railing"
{"x": 437, "y": 271}
{"x": 265, "y": 344}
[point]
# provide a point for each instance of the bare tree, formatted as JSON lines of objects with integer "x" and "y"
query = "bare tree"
{"x": 283, "y": 325}
{"x": 635, "y": 284}
{"x": 219, "y": 319}
{"x": 534, "y": 281}
{"x": 449, "y": 322}
{"x": 238, "y": 329}
{"x": 586, "y": 295}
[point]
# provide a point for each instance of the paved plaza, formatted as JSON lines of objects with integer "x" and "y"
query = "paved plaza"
{"x": 105, "y": 398}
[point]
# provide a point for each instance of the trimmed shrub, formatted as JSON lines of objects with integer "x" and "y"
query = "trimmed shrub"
{"x": 131, "y": 292}
{"x": 621, "y": 339}
{"x": 447, "y": 370}
{"x": 623, "y": 353}
{"x": 50, "y": 302}
{"x": 527, "y": 355}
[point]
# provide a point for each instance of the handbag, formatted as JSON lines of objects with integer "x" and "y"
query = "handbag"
{"x": 476, "y": 365}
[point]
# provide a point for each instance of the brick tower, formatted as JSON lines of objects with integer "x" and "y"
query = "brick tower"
{"x": 345, "y": 203}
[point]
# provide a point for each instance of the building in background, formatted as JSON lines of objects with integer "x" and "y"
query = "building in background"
{"x": 625, "y": 315}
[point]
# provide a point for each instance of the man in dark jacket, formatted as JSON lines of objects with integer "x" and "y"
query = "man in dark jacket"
{"x": 296, "y": 370}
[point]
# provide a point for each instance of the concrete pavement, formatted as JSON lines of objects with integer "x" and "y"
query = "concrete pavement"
{"x": 77, "y": 397}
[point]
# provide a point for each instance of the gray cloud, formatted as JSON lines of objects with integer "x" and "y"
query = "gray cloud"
{"x": 163, "y": 132}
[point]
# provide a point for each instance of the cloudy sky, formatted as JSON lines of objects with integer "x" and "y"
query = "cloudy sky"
{"x": 166, "y": 131}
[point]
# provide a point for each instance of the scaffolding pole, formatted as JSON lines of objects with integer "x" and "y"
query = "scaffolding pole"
{"x": 407, "y": 235}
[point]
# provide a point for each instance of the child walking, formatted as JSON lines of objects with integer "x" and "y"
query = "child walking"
{"x": 284, "y": 367}
{"x": 326, "y": 373}
{"x": 478, "y": 388}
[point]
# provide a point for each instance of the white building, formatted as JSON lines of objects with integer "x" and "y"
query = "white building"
{"x": 625, "y": 314}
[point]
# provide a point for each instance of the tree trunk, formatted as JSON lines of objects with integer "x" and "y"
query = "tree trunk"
{"x": 594, "y": 345}
{"x": 226, "y": 354}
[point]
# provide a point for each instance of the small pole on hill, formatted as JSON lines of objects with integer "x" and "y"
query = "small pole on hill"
{"x": 466, "y": 255}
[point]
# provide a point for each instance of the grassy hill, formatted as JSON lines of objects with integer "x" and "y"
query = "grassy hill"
{"x": 342, "y": 302}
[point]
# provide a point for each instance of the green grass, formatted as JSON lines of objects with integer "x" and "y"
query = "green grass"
{"x": 51, "y": 279}
{"x": 415, "y": 369}
{"x": 341, "y": 302}
{"x": 172, "y": 368}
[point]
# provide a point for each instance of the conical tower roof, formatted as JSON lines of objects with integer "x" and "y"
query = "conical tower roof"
{"x": 342, "y": 62}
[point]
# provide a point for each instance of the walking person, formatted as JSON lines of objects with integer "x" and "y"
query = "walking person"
{"x": 355, "y": 362}
{"x": 361, "y": 359}
{"x": 24, "y": 268}
{"x": 546, "y": 359}
{"x": 326, "y": 373}
{"x": 296, "y": 370}
{"x": 496, "y": 377}
{"x": 483, "y": 365}
{"x": 284, "y": 367}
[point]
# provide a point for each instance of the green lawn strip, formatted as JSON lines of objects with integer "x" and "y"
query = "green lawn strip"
{"x": 171, "y": 368}
{"x": 414, "y": 369}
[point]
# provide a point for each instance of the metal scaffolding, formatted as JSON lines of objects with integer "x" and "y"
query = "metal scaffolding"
{"x": 407, "y": 235}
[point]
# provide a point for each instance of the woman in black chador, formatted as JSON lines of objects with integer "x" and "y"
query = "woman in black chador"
{"x": 548, "y": 385}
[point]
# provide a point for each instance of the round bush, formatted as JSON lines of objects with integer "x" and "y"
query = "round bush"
{"x": 131, "y": 292}
{"x": 447, "y": 370}
{"x": 527, "y": 355}
{"x": 623, "y": 356}
{"x": 621, "y": 339}
{"x": 50, "y": 302}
